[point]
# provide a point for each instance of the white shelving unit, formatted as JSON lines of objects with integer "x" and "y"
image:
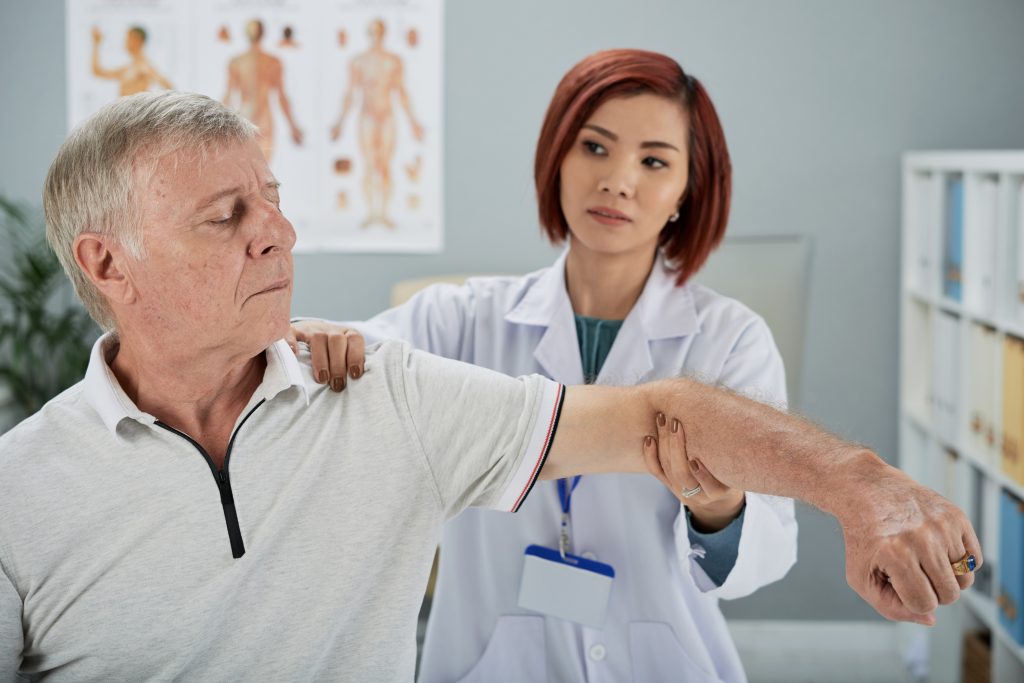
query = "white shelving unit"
{"x": 944, "y": 440}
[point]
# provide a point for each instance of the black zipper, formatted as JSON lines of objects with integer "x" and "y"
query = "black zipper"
{"x": 227, "y": 498}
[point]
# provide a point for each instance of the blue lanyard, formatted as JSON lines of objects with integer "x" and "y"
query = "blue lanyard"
{"x": 565, "y": 492}
{"x": 565, "y": 498}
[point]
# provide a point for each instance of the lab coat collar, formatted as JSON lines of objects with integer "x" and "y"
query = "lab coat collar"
{"x": 663, "y": 311}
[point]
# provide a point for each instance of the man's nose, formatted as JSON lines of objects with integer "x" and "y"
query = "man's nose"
{"x": 275, "y": 233}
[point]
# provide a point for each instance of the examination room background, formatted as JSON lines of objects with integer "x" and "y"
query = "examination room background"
{"x": 819, "y": 98}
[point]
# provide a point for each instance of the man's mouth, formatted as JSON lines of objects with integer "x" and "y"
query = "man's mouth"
{"x": 275, "y": 287}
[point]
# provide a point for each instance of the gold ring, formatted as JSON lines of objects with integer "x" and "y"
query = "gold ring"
{"x": 965, "y": 565}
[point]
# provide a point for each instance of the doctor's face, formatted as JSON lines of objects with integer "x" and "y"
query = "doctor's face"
{"x": 625, "y": 174}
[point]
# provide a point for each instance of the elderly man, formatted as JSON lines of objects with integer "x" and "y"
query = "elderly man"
{"x": 198, "y": 508}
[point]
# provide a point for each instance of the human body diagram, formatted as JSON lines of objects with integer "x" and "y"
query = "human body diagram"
{"x": 376, "y": 76}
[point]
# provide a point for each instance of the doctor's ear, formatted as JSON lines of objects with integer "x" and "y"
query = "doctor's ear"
{"x": 103, "y": 260}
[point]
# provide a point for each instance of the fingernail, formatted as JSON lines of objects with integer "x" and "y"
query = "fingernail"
{"x": 648, "y": 441}
{"x": 695, "y": 466}
{"x": 321, "y": 377}
{"x": 338, "y": 383}
{"x": 661, "y": 419}
{"x": 355, "y": 371}
{"x": 675, "y": 425}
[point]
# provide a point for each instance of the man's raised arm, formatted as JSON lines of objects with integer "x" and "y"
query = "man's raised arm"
{"x": 901, "y": 537}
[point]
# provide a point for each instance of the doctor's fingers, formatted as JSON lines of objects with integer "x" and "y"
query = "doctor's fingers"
{"x": 712, "y": 488}
{"x": 672, "y": 453}
{"x": 347, "y": 354}
{"x": 335, "y": 351}
{"x": 652, "y": 461}
{"x": 337, "y": 348}
{"x": 320, "y": 356}
{"x": 355, "y": 357}
{"x": 292, "y": 342}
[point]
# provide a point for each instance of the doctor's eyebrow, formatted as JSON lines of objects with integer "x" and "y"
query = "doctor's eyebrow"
{"x": 646, "y": 144}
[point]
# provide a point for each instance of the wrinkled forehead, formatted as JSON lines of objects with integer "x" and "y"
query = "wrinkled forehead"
{"x": 183, "y": 159}
{"x": 170, "y": 179}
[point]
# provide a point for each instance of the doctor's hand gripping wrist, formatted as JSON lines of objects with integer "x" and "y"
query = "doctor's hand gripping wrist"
{"x": 712, "y": 504}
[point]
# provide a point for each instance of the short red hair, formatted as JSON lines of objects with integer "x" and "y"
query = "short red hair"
{"x": 688, "y": 241}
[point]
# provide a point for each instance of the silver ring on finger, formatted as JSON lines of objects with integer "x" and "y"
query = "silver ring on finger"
{"x": 690, "y": 493}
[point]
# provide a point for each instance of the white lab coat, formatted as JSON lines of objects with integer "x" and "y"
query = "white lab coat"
{"x": 663, "y": 622}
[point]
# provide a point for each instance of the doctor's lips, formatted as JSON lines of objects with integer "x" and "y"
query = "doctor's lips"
{"x": 608, "y": 216}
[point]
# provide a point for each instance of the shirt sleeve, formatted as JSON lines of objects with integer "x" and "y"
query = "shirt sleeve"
{"x": 484, "y": 435}
{"x": 11, "y": 637}
{"x": 720, "y": 548}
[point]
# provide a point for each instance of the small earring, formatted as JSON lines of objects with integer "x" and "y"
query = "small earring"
{"x": 674, "y": 217}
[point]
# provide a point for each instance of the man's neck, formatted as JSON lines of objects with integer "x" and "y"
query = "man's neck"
{"x": 200, "y": 395}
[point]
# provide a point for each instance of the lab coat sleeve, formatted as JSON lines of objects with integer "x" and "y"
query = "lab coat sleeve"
{"x": 11, "y": 638}
{"x": 767, "y": 547}
{"x": 435, "y": 320}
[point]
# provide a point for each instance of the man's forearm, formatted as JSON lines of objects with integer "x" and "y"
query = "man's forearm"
{"x": 747, "y": 445}
{"x": 753, "y": 447}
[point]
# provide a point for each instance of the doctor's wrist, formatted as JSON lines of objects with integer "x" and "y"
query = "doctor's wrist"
{"x": 707, "y": 518}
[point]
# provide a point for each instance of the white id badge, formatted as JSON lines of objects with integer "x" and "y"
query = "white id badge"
{"x": 575, "y": 588}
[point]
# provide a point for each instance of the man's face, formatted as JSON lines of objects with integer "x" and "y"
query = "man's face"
{"x": 217, "y": 274}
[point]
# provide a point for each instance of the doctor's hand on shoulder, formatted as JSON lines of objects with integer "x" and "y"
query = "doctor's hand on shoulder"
{"x": 336, "y": 352}
{"x": 712, "y": 504}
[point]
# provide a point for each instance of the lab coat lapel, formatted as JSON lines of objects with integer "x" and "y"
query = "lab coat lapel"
{"x": 663, "y": 311}
{"x": 547, "y": 305}
{"x": 629, "y": 359}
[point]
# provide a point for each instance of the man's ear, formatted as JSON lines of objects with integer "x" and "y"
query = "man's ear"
{"x": 104, "y": 261}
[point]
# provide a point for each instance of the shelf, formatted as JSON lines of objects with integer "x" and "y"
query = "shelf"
{"x": 918, "y": 421}
{"x": 988, "y": 469}
{"x": 1002, "y": 323}
{"x": 980, "y": 161}
{"x": 994, "y": 473}
{"x": 963, "y": 217}
{"x": 984, "y": 608}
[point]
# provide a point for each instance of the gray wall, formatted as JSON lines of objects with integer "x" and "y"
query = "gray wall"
{"x": 818, "y": 100}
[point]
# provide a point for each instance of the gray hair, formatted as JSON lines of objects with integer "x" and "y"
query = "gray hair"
{"x": 91, "y": 185}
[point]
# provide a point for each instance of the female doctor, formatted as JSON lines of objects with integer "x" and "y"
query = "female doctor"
{"x": 632, "y": 171}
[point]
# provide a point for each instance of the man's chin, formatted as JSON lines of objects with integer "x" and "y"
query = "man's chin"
{"x": 260, "y": 334}
{"x": 279, "y": 329}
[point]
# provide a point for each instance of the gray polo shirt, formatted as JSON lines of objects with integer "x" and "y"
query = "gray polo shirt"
{"x": 126, "y": 555}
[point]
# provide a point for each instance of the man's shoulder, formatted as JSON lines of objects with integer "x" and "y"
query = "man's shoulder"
{"x": 62, "y": 410}
{"x": 58, "y": 429}
{"x": 385, "y": 362}
{"x": 391, "y": 361}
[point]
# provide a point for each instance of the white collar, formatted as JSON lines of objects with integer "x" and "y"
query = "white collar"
{"x": 104, "y": 393}
{"x": 547, "y": 296}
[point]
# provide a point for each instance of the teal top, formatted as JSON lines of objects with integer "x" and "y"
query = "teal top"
{"x": 596, "y": 337}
